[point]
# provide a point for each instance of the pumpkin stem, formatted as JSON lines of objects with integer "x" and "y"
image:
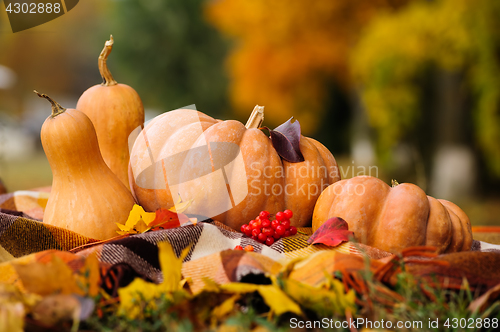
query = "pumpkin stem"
{"x": 56, "y": 107}
{"x": 107, "y": 78}
{"x": 256, "y": 118}
{"x": 394, "y": 183}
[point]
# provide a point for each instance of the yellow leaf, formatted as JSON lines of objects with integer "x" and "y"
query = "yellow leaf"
{"x": 49, "y": 278}
{"x": 225, "y": 308}
{"x": 278, "y": 301}
{"x": 89, "y": 275}
{"x": 137, "y": 222}
{"x": 171, "y": 265}
{"x": 181, "y": 206}
{"x": 12, "y": 317}
{"x": 325, "y": 302}
{"x": 274, "y": 297}
{"x": 210, "y": 285}
{"x": 140, "y": 295}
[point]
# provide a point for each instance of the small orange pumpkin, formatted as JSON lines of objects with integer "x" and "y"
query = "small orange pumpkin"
{"x": 86, "y": 197}
{"x": 393, "y": 218}
{"x": 272, "y": 184}
{"x": 115, "y": 111}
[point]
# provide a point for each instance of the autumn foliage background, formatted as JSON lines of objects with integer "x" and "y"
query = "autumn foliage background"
{"x": 409, "y": 86}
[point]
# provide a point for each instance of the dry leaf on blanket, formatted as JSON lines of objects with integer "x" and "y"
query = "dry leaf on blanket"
{"x": 140, "y": 221}
{"x": 333, "y": 232}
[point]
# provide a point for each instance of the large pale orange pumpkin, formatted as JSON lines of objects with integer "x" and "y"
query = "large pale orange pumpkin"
{"x": 254, "y": 176}
{"x": 393, "y": 218}
{"x": 86, "y": 197}
{"x": 115, "y": 111}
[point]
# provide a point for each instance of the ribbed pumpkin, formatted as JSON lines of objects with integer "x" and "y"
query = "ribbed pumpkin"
{"x": 115, "y": 110}
{"x": 273, "y": 184}
{"x": 86, "y": 197}
{"x": 393, "y": 218}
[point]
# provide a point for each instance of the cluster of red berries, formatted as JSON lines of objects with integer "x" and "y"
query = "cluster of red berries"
{"x": 265, "y": 230}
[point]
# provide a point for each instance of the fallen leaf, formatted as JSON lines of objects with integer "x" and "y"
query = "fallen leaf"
{"x": 48, "y": 278}
{"x": 56, "y": 309}
{"x": 137, "y": 222}
{"x": 485, "y": 300}
{"x": 171, "y": 265}
{"x": 140, "y": 221}
{"x": 89, "y": 275}
{"x": 286, "y": 141}
{"x": 12, "y": 317}
{"x": 324, "y": 302}
{"x": 225, "y": 308}
{"x": 277, "y": 300}
{"x": 333, "y": 232}
{"x": 165, "y": 219}
{"x": 140, "y": 294}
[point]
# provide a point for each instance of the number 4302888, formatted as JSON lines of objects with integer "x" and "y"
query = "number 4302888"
{"x": 33, "y": 8}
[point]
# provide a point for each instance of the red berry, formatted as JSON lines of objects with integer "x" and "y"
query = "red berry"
{"x": 288, "y": 214}
{"x": 265, "y": 223}
{"x": 286, "y": 223}
{"x": 264, "y": 215}
{"x": 262, "y": 237}
{"x": 238, "y": 248}
{"x": 274, "y": 224}
{"x": 269, "y": 240}
{"x": 255, "y": 238}
{"x": 248, "y": 231}
{"x": 243, "y": 228}
{"x": 268, "y": 231}
{"x": 255, "y": 232}
{"x": 280, "y": 216}
{"x": 280, "y": 230}
{"x": 257, "y": 224}
{"x": 293, "y": 230}
{"x": 287, "y": 233}
{"x": 249, "y": 248}
{"x": 276, "y": 236}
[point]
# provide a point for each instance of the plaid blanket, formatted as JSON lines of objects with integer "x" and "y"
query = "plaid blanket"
{"x": 24, "y": 237}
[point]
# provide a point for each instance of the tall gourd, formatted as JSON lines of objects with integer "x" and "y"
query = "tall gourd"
{"x": 86, "y": 197}
{"x": 115, "y": 110}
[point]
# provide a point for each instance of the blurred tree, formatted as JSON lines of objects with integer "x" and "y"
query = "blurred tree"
{"x": 459, "y": 38}
{"x": 287, "y": 53}
{"x": 170, "y": 55}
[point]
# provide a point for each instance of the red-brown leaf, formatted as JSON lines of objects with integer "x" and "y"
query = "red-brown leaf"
{"x": 333, "y": 232}
{"x": 166, "y": 219}
{"x": 286, "y": 141}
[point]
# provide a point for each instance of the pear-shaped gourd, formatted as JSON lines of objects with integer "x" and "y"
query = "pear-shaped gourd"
{"x": 86, "y": 197}
{"x": 115, "y": 110}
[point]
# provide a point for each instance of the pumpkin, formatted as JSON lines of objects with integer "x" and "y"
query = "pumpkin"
{"x": 86, "y": 197}
{"x": 115, "y": 110}
{"x": 255, "y": 177}
{"x": 393, "y": 218}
